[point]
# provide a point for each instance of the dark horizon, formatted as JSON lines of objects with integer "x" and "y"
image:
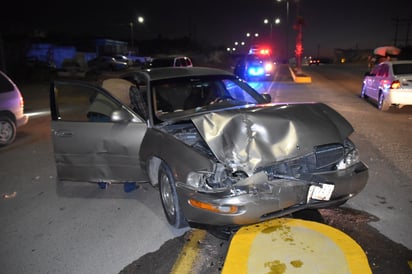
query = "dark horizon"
{"x": 348, "y": 24}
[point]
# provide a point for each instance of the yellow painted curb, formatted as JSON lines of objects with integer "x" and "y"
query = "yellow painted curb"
{"x": 300, "y": 79}
{"x": 294, "y": 246}
{"x": 189, "y": 253}
{"x": 303, "y": 79}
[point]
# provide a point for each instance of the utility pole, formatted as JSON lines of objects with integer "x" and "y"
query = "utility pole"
{"x": 131, "y": 37}
{"x": 400, "y": 23}
{"x": 299, "y": 43}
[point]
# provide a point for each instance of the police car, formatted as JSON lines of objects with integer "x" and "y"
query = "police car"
{"x": 256, "y": 65}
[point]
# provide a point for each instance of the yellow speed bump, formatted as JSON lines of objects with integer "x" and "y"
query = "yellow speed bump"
{"x": 294, "y": 246}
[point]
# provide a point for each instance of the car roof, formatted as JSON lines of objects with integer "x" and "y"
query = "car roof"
{"x": 175, "y": 72}
{"x": 169, "y": 57}
{"x": 394, "y": 62}
{"x": 252, "y": 57}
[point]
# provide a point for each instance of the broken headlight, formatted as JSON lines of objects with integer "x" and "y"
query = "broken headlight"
{"x": 351, "y": 155}
{"x": 218, "y": 180}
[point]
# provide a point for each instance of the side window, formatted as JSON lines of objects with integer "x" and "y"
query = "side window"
{"x": 187, "y": 62}
{"x": 5, "y": 85}
{"x": 375, "y": 70}
{"x": 379, "y": 71}
{"x": 178, "y": 62}
{"x": 84, "y": 104}
{"x": 238, "y": 93}
{"x": 384, "y": 70}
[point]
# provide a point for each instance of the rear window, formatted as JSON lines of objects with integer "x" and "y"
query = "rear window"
{"x": 257, "y": 58}
{"x": 162, "y": 63}
{"x": 5, "y": 85}
{"x": 402, "y": 69}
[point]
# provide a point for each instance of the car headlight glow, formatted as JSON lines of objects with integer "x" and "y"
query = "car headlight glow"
{"x": 268, "y": 67}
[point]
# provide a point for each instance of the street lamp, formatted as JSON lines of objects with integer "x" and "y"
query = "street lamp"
{"x": 286, "y": 26}
{"x": 131, "y": 36}
{"x": 251, "y": 37}
{"x": 276, "y": 21}
{"x": 139, "y": 20}
{"x": 230, "y": 50}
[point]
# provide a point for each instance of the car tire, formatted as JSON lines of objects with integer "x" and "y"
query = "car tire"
{"x": 169, "y": 198}
{"x": 7, "y": 131}
{"x": 383, "y": 104}
{"x": 363, "y": 92}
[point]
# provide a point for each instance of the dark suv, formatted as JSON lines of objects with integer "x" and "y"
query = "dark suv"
{"x": 170, "y": 61}
{"x": 11, "y": 110}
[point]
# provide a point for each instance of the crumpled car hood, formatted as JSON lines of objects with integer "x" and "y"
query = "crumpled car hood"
{"x": 250, "y": 138}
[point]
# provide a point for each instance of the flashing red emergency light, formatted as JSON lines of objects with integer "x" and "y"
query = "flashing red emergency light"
{"x": 260, "y": 50}
{"x": 264, "y": 51}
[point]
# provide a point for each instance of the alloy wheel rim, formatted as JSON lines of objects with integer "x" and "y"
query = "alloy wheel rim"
{"x": 167, "y": 196}
{"x": 5, "y": 131}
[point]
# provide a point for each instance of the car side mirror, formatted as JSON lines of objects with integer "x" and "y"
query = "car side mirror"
{"x": 267, "y": 97}
{"x": 120, "y": 116}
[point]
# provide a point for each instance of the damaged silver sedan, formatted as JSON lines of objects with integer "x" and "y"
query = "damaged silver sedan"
{"x": 220, "y": 153}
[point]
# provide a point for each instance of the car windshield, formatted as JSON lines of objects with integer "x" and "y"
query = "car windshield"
{"x": 257, "y": 58}
{"x": 402, "y": 68}
{"x": 173, "y": 97}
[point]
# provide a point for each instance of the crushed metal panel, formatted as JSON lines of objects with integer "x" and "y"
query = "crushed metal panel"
{"x": 254, "y": 137}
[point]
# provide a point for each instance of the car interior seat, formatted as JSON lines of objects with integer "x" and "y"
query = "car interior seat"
{"x": 138, "y": 102}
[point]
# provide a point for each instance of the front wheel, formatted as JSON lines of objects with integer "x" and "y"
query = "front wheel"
{"x": 383, "y": 104}
{"x": 169, "y": 198}
{"x": 7, "y": 131}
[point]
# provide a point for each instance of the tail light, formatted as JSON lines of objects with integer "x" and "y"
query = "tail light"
{"x": 396, "y": 84}
{"x": 21, "y": 103}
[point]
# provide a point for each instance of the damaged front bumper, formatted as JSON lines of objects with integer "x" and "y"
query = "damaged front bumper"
{"x": 260, "y": 197}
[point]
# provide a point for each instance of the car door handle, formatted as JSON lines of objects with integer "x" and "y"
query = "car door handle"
{"x": 63, "y": 133}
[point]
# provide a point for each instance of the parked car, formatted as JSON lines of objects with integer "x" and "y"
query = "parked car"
{"x": 389, "y": 84}
{"x": 124, "y": 59}
{"x": 314, "y": 61}
{"x": 170, "y": 61}
{"x": 72, "y": 68}
{"x": 255, "y": 67}
{"x": 220, "y": 153}
{"x": 11, "y": 110}
{"x": 106, "y": 63}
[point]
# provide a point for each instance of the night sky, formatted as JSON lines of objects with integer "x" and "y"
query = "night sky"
{"x": 329, "y": 24}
